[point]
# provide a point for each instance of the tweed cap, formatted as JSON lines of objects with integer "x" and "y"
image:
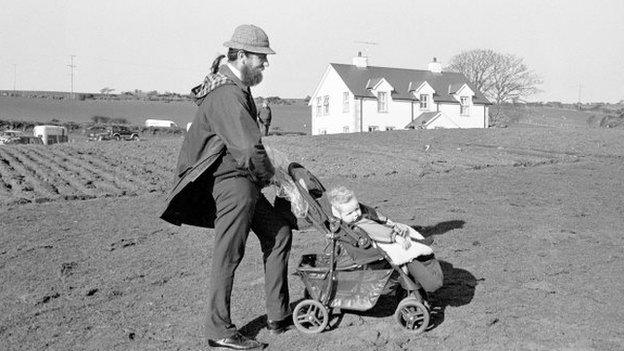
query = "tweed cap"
{"x": 250, "y": 38}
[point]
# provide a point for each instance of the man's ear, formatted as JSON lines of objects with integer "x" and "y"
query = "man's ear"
{"x": 241, "y": 56}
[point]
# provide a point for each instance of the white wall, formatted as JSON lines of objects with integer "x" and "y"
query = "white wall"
{"x": 336, "y": 119}
{"x": 474, "y": 120}
{"x": 398, "y": 115}
{"x": 399, "y": 111}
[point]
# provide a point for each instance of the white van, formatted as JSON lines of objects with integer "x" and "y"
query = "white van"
{"x": 51, "y": 134}
{"x": 160, "y": 123}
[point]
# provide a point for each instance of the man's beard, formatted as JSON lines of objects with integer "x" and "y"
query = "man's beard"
{"x": 251, "y": 76}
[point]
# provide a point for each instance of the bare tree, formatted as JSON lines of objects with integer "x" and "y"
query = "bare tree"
{"x": 501, "y": 77}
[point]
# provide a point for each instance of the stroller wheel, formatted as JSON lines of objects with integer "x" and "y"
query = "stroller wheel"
{"x": 412, "y": 315}
{"x": 310, "y": 316}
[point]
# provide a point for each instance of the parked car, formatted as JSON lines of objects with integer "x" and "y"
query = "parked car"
{"x": 98, "y": 133}
{"x": 30, "y": 139}
{"x": 9, "y": 137}
{"x": 160, "y": 123}
{"x": 112, "y": 133}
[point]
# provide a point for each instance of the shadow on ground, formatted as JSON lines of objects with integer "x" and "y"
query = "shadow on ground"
{"x": 440, "y": 228}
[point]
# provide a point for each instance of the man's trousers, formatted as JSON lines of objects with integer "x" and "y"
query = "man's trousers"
{"x": 240, "y": 206}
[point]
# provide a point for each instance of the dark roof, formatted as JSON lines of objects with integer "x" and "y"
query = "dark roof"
{"x": 453, "y": 88}
{"x": 422, "y": 119}
{"x": 357, "y": 79}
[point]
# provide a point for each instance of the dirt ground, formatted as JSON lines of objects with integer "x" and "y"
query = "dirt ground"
{"x": 527, "y": 222}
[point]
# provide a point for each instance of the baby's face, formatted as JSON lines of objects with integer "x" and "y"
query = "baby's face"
{"x": 350, "y": 211}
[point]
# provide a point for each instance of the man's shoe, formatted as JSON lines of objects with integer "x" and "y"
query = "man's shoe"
{"x": 278, "y": 327}
{"x": 236, "y": 342}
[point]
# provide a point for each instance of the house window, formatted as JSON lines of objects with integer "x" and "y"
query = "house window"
{"x": 389, "y": 128}
{"x": 424, "y": 101}
{"x": 464, "y": 106}
{"x": 326, "y": 105}
{"x": 345, "y": 101}
{"x": 373, "y": 128}
{"x": 318, "y": 106}
{"x": 345, "y": 129}
{"x": 382, "y": 101}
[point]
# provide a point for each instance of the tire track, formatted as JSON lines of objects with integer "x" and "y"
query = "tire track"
{"x": 5, "y": 184}
{"x": 43, "y": 171}
{"x": 151, "y": 166}
{"x": 39, "y": 187}
{"x": 75, "y": 182}
{"x": 109, "y": 180}
{"x": 91, "y": 180}
{"x": 132, "y": 178}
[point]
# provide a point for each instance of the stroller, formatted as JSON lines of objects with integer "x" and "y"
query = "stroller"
{"x": 352, "y": 274}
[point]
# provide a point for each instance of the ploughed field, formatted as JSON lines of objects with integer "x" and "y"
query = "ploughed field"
{"x": 526, "y": 222}
{"x": 40, "y": 173}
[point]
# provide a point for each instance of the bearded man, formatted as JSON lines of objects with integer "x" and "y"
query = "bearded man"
{"x": 221, "y": 169}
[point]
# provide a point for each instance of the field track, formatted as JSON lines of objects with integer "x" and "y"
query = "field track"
{"x": 40, "y": 173}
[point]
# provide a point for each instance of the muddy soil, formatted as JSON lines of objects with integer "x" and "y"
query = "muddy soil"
{"x": 526, "y": 221}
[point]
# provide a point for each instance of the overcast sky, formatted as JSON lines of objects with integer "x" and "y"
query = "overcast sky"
{"x": 169, "y": 45}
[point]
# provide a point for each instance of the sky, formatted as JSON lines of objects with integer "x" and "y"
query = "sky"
{"x": 576, "y": 47}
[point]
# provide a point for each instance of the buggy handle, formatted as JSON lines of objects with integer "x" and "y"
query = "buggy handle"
{"x": 334, "y": 225}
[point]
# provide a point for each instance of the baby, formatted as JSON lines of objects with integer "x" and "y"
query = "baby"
{"x": 395, "y": 239}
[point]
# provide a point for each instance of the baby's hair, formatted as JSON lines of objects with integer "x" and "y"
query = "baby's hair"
{"x": 340, "y": 195}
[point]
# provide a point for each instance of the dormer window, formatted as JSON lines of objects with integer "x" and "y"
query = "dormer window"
{"x": 424, "y": 101}
{"x": 382, "y": 101}
{"x": 464, "y": 105}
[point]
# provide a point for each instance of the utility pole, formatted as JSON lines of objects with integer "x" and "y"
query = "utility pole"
{"x": 579, "y": 93}
{"x": 71, "y": 67}
{"x": 14, "y": 77}
{"x": 579, "y": 97}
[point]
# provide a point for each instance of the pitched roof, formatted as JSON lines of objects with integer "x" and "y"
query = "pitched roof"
{"x": 413, "y": 86}
{"x": 453, "y": 88}
{"x": 356, "y": 79}
{"x": 372, "y": 82}
{"x": 422, "y": 119}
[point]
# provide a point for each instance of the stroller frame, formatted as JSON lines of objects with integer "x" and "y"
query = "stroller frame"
{"x": 330, "y": 284}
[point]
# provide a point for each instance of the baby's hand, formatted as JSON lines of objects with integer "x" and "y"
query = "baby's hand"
{"x": 401, "y": 229}
{"x": 405, "y": 243}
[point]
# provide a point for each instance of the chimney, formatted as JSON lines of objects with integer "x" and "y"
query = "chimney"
{"x": 435, "y": 66}
{"x": 360, "y": 61}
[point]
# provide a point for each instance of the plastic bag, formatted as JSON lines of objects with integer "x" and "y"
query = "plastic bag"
{"x": 286, "y": 187}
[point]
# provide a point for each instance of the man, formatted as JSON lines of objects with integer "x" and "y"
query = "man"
{"x": 221, "y": 169}
{"x": 264, "y": 116}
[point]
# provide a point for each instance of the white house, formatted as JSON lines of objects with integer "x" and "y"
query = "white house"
{"x": 363, "y": 98}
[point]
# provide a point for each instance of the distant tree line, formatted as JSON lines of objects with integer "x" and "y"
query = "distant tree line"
{"x": 29, "y": 125}
{"x": 73, "y": 127}
{"x": 274, "y": 100}
{"x": 108, "y": 120}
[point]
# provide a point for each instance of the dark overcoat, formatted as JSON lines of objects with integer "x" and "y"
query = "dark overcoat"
{"x": 225, "y": 123}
